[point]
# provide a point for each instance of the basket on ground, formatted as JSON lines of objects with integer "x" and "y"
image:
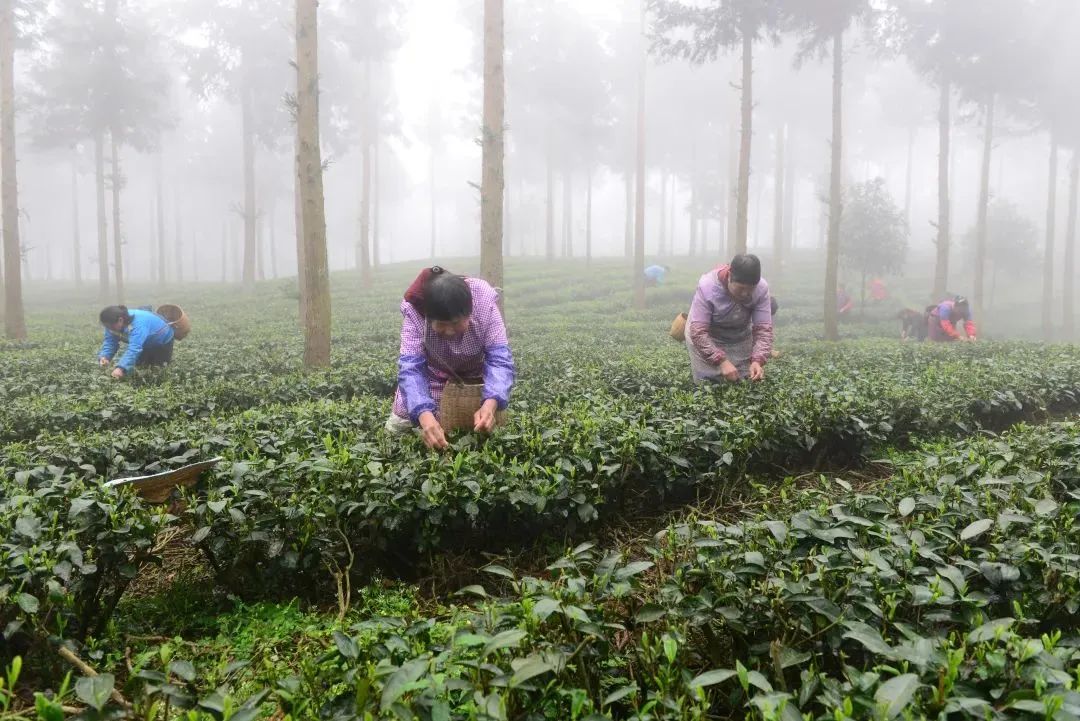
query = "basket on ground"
{"x": 175, "y": 316}
{"x": 158, "y": 488}
{"x": 460, "y": 402}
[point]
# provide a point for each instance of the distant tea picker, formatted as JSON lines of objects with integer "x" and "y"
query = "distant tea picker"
{"x": 149, "y": 336}
{"x": 455, "y": 358}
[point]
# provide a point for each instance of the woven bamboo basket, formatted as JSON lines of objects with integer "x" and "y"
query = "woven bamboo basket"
{"x": 175, "y": 316}
{"x": 678, "y": 328}
{"x": 158, "y": 488}
{"x": 460, "y": 402}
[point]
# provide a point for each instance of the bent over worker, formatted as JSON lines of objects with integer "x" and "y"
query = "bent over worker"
{"x": 945, "y": 321}
{"x": 451, "y": 328}
{"x": 148, "y": 336}
{"x": 729, "y": 327}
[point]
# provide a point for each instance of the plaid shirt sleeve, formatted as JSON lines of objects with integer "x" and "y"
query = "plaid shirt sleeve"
{"x": 412, "y": 365}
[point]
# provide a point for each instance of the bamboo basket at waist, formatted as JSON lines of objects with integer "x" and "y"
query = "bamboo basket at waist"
{"x": 460, "y": 402}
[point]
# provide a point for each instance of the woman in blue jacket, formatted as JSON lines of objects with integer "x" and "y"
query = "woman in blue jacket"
{"x": 149, "y": 339}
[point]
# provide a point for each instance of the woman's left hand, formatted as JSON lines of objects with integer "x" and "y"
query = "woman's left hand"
{"x": 757, "y": 372}
{"x": 484, "y": 419}
{"x": 118, "y": 373}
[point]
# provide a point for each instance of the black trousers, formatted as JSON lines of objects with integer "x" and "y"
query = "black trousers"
{"x": 156, "y": 355}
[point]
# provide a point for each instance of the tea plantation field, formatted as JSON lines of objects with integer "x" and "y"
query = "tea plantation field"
{"x": 879, "y": 530}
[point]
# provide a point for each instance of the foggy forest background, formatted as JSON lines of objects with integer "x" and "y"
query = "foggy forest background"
{"x": 156, "y": 139}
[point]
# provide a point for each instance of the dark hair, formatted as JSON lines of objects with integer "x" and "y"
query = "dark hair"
{"x": 113, "y": 313}
{"x": 746, "y": 269}
{"x": 960, "y": 302}
{"x": 447, "y": 297}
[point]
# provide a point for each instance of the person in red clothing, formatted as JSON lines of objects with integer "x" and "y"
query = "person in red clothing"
{"x": 844, "y": 303}
{"x": 878, "y": 290}
{"x": 948, "y": 319}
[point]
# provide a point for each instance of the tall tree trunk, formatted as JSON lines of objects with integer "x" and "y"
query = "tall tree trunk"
{"x": 102, "y": 220}
{"x": 984, "y": 204}
{"x": 778, "y": 210}
{"x": 662, "y": 243}
{"x": 298, "y": 232}
{"x": 1048, "y": 258}
{"x": 639, "y": 201}
{"x": 434, "y": 225}
{"x": 14, "y": 320}
{"x": 789, "y": 194}
{"x": 260, "y": 252}
{"x": 250, "y": 211}
{"x": 588, "y": 215}
{"x": 1070, "y": 249}
{"x": 549, "y": 210}
{"x": 693, "y": 249}
{"x": 178, "y": 250}
{"x": 568, "y": 214}
{"x": 836, "y": 208}
{"x": 160, "y": 218}
{"x": 747, "y": 111}
{"x": 732, "y": 191}
{"x": 118, "y": 251}
{"x": 507, "y": 249}
{"x": 908, "y": 174}
{"x": 672, "y": 216}
{"x": 76, "y": 242}
{"x": 628, "y": 230}
{"x": 376, "y": 188}
{"x": 316, "y": 267}
{"x": 941, "y": 269}
{"x": 363, "y": 245}
{"x": 272, "y": 211}
{"x": 194, "y": 257}
{"x": 493, "y": 180}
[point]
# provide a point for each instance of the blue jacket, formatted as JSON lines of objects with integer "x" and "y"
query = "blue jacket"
{"x": 146, "y": 329}
{"x": 656, "y": 273}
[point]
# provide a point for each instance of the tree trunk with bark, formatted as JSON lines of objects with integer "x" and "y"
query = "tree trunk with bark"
{"x": 493, "y": 180}
{"x": 178, "y": 240}
{"x": 628, "y": 230}
{"x": 159, "y": 171}
{"x": 363, "y": 244}
{"x": 1048, "y": 258}
{"x": 747, "y": 113}
{"x": 836, "y": 208}
{"x": 549, "y": 210}
{"x": 778, "y": 210}
{"x": 309, "y": 157}
{"x": 981, "y": 216}
{"x": 639, "y": 201}
{"x": 661, "y": 248}
{"x": 250, "y": 211}
{"x": 1068, "y": 288}
{"x": 568, "y": 215}
{"x": 376, "y": 187}
{"x": 102, "y": 220}
{"x": 118, "y": 250}
{"x": 908, "y": 174}
{"x": 588, "y": 216}
{"x": 941, "y": 268}
{"x": 76, "y": 240}
{"x": 14, "y": 317}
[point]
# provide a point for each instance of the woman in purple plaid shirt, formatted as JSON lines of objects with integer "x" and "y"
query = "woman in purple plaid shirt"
{"x": 452, "y": 327}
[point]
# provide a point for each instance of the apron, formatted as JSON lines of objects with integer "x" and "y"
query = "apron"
{"x": 734, "y": 334}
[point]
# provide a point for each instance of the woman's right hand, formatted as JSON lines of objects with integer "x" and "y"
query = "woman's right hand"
{"x": 730, "y": 372}
{"x": 432, "y": 432}
{"x": 103, "y": 362}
